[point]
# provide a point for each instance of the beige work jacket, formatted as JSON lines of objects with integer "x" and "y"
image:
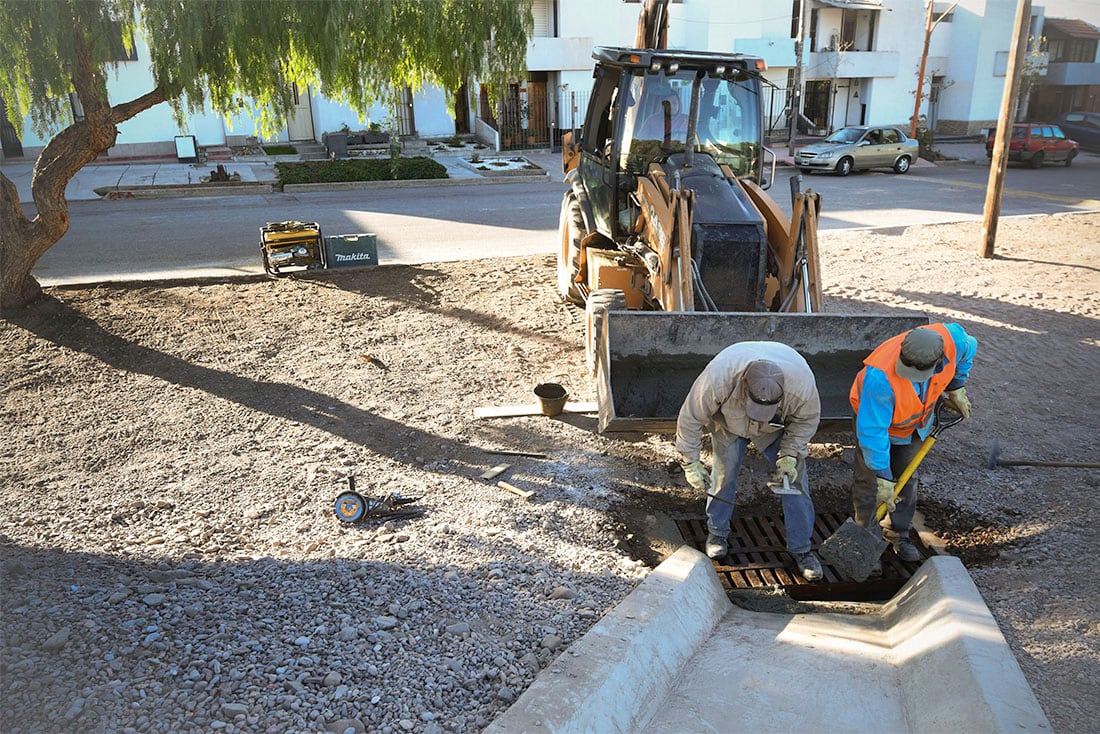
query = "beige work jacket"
{"x": 716, "y": 402}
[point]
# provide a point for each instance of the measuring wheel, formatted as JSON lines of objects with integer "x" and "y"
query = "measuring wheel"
{"x": 351, "y": 507}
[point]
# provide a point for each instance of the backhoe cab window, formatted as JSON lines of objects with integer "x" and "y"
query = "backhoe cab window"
{"x": 597, "y": 128}
{"x": 656, "y": 111}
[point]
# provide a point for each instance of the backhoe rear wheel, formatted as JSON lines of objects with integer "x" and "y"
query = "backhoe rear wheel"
{"x": 571, "y": 231}
{"x": 599, "y": 303}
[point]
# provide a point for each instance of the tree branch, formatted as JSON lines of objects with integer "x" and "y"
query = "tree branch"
{"x": 125, "y": 110}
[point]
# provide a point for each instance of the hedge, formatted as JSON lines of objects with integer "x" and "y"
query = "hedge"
{"x": 379, "y": 169}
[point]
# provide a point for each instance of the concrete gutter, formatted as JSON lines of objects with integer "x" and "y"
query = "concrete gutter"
{"x": 677, "y": 656}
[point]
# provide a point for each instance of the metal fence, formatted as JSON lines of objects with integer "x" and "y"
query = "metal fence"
{"x": 532, "y": 119}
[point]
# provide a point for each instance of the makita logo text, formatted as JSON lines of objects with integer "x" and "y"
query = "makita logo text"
{"x": 353, "y": 256}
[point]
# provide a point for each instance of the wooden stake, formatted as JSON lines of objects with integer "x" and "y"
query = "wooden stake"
{"x": 515, "y": 490}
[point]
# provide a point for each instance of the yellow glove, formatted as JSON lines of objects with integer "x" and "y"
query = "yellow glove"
{"x": 787, "y": 465}
{"x": 957, "y": 402}
{"x": 697, "y": 476}
{"x": 885, "y": 494}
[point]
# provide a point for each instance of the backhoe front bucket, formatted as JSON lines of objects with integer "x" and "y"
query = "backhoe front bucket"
{"x": 648, "y": 360}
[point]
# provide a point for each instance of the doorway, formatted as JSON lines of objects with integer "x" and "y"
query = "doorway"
{"x": 815, "y": 105}
{"x": 406, "y": 121}
{"x": 299, "y": 123}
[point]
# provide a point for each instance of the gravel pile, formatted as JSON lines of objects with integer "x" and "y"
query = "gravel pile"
{"x": 427, "y": 624}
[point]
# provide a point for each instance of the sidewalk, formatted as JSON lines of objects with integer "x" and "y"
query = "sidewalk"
{"x": 129, "y": 179}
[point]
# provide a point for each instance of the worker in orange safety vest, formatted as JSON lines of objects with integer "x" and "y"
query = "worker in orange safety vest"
{"x": 894, "y": 397}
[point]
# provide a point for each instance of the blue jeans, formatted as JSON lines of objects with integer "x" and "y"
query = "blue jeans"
{"x": 798, "y": 509}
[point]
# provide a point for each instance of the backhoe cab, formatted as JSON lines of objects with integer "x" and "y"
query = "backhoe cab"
{"x": 655, "y": 173}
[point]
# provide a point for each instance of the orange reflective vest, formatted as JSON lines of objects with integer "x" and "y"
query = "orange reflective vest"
{"x": 910, "y": 412}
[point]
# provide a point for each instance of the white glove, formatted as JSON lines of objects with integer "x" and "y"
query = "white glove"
{"x": 786, "y": 465}
{"x": 697, "y": 476}
{"x": 885, "y": 494}
{"x": 957, "y": 402}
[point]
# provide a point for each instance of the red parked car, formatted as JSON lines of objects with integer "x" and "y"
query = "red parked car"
{"x": 1036, "y": 143}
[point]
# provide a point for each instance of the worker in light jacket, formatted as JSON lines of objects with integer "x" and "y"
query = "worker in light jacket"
{"x": 763, "y": 393}
{"x": 894, "y": 397}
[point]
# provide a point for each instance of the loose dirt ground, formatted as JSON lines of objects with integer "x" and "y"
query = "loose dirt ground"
{"x": 173, "y": 425}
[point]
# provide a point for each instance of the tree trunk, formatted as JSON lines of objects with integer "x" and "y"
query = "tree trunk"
{"x": 23, "y": 241}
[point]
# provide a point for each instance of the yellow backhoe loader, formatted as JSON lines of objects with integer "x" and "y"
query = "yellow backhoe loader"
{"x": 670, "y": 240}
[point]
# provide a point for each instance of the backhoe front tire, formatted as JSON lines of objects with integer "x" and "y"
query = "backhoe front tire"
{"x": 571, "y": 231}
{"x": 599, "y": 303}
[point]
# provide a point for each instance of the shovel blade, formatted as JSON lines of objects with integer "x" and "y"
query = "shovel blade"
{"x": 853, "y": 550}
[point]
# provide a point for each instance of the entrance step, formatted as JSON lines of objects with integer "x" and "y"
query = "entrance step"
{"x": 310, "y": 151}
{"x": 218, "y": 153}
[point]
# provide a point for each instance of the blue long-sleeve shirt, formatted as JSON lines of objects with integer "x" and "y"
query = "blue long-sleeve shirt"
{"x": 876, "y": 404}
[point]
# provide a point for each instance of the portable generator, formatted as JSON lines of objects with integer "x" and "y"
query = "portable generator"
{"x": 291, "y": 246}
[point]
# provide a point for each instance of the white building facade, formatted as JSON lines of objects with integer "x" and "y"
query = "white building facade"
{"x": 859, "y": 64}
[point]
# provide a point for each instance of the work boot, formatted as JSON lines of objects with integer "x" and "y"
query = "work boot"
{"x": 903, "y": 547}
{"x": 717, "y": 546}
{"x": 808, "y": 565}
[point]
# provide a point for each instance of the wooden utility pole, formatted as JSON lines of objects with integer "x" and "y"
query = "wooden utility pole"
{"x": 1009, "y": 98}
{"x": 796, "y": 93}
{"x": 920, "y": 74}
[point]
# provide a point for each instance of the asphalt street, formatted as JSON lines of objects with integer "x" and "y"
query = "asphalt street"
{"x": 149, "y": 239}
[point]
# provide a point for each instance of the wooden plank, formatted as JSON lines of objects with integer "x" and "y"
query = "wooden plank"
{"x": 515, "y": 411}
{"x": 495, "y": 471}
{"x": 506, "y": 452}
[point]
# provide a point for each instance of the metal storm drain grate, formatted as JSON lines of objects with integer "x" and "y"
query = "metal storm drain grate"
{"x": 758, "y": 558}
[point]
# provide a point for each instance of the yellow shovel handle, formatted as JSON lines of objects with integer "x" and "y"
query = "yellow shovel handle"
{"x": 909, "y": 471}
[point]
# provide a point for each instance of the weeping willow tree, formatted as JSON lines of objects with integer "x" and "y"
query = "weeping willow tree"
{"x": 238, "y": 56}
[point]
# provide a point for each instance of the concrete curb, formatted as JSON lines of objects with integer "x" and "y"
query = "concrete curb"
{"x": 948, "y": 649}
{"x": 405, "y": 184}
{"x": 169, "y": 190}
{"x": 613, "y": 678}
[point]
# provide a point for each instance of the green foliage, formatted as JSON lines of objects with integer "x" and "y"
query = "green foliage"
{"x": 242, "y": 55}
{"x": 280, "y": 149}
{"x": 359, "y": 170}
{"x": 39, "y": 42}
{"x": 927, "y": 140}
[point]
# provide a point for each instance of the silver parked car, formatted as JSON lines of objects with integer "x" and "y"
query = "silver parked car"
{"x": 859, "y": 147}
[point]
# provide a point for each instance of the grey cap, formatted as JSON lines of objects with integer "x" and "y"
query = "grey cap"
{"x": 921, "y": 352}
{"x": 764, "y": 389}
